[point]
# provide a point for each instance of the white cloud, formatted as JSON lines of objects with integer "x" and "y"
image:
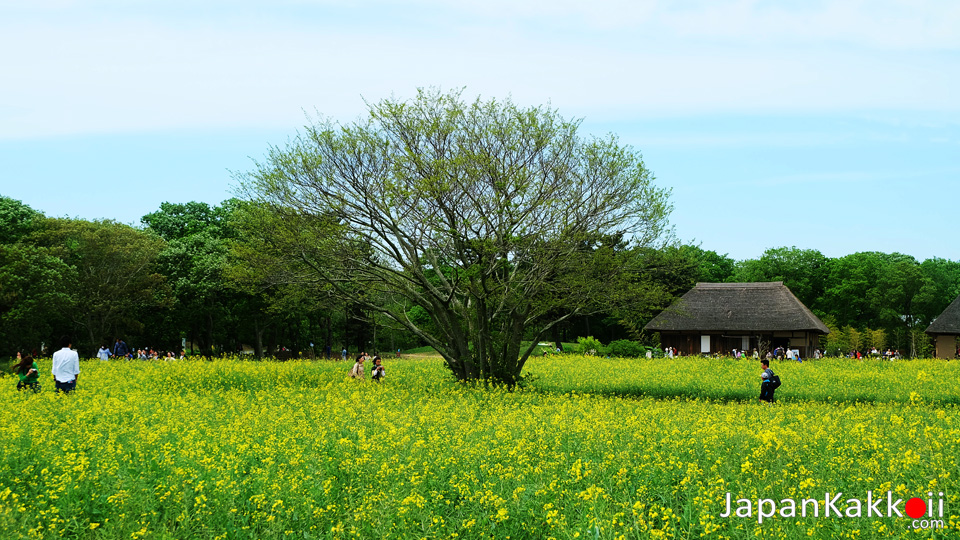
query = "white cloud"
{"x": 879, "y": 24}
{"x": 883, "y": 24}
{"x": 138, "y": 66}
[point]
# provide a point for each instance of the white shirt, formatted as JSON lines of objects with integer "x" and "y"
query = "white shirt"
{"x": 66, "y": 365}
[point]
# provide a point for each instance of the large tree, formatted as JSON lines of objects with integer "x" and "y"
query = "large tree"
{"x": 804, "y": 271}
{"x": 34, "y": 284}
{"x": 115, "y": 275}
{"x": 485, "y": 215}
{"x": 35, "y": 297}
{"x": 192, "y": 260}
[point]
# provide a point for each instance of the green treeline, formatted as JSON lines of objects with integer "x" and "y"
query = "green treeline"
{"x": 867, "y": 299}
{"x": 191, "y": 273}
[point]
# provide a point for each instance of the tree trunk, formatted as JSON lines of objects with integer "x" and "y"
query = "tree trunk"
{"x": 210, "y": 332}
{"x": 258, "y": 346}
{"x": 92, "y": 341}
{"x": 346, "y": 328}
{"x": 329, "y": 347}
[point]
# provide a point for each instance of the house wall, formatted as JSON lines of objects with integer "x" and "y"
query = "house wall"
{"x": 689, "y": 343}
{"x": 946, "y": 346}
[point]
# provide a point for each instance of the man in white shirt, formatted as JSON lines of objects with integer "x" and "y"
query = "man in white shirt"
{"x": 66, "y": 367}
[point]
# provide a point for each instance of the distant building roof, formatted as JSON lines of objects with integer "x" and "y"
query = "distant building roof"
{"x": 949, "y": 321}
{"x": 738, "y": 307}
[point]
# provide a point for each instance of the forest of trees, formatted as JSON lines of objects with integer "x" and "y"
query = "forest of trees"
{"x": 185, "y": 275}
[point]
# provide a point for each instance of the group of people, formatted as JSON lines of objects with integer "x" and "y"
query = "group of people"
{"x": 66, "y": 369}
{"x": 889, "y": 354}
{"x": 785, "y": 353}
{"x": 377, "y": 371}
{"x": 120, "y": 349}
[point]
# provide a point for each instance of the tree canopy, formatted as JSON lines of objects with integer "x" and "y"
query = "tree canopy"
{"x": 485, "y": 215}
{"x": 115, "y": 274}
{"x": 231, "y": 275}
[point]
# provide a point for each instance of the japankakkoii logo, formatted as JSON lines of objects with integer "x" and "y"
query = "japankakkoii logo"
{"x": 926, "y": 513}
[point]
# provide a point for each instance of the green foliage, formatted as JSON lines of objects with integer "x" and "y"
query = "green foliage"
{"x": 500, "y": 222}
{"x": 854, "y": 337}
{"x": 280, "y": 285}
{"x": 17, "y": 220}
{"x": 710, "y": 266}
{"x": 177, "y": 221}
{"x": 36, "y": 294}
{"x": 876, "y": 338}
{"x": 803, "y": 271}
{"x": 921, "y": 344}
{"x": 625, "y": 348}
{"x": 421, "y": 350}
{"x": 212, "y": 296}
{"x": 589, "y": 346}
{"x": 880, "y": 292}
{"x": 244, "y": 272}
{"x": 940, "y": 285}
{"x": 116, "y": 277}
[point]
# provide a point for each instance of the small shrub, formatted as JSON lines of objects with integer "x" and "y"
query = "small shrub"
{"x": 626, "y": 348}
{"x": 589, "y": 345}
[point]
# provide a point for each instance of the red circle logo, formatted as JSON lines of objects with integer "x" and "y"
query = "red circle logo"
{"x": 915, "y": 508}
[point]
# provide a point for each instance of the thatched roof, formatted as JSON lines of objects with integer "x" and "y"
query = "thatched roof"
{"x": 949, "y": 321}
{"x": 738, "y": 307}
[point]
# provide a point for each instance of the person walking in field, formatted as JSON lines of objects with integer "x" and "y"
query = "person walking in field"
{"x": 120, "y": 348}
{"x": 769, "y": 382}
{"x": 103, "y": 353}
{"x": 26, "y": 369}
{"x": 66, "y": 367}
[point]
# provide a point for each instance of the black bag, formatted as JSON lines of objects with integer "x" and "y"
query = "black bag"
{"x": 775, "y": 382}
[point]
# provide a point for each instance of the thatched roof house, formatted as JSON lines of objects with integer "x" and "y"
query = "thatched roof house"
{"x": 720, "y": 317}
{"x": 945, "y": 329}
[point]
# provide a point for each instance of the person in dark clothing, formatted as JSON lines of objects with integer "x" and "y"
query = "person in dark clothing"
{"x": 120, "y": 348}
{"x": 768, "y": 382}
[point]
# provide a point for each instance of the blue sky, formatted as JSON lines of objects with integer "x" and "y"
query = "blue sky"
{"x": 832, "y": 125}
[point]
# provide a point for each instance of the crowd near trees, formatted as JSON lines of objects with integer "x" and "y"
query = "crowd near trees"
{"x": 478, "y": 228}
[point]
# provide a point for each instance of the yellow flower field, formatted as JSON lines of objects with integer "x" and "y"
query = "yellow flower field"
{"x": 591, "y": 448}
